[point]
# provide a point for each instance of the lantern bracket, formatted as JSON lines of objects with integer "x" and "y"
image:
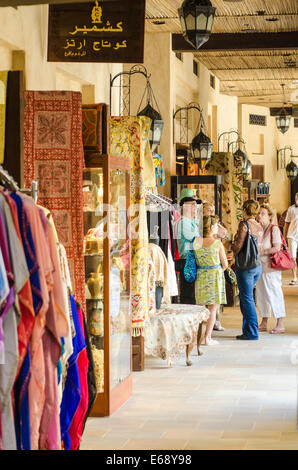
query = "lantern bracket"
{"x": 184, "y": 122}
{"x": 124, "y": 78}
{"x": 281, "y": 157}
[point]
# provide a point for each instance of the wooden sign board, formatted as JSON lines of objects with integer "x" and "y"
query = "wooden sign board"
{"x": 98, "y": 31}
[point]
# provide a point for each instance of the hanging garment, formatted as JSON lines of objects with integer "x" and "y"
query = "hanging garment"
{"x": 173, "y": 285}
{"x": 72, "y": 388}
{"x": 8, "y": 370}
{"x": 56, "y": 328}
{"x": 159, "y": 170}
{"x": 129, "y": 137}
{"x": 3, "y": 86}
{"x": 53, "y": 156}
{"x": 25, "y": 300}
{"x": 22, "y": 420}
{"x": 160, "y": 269}
{"x": 76, "y": 427}
{"x": 92, "y": 391}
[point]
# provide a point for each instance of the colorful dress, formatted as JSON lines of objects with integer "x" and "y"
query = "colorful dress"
{"x": 210, "y": 282}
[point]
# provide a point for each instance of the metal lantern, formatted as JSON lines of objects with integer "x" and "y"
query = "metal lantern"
{"x": 196, "y": 18}
{"x": 239, "y": 153}
{"x": 157, "y": 125}
{"x": 157, "y": 122}
{"x": 283, "y": 119}
{"x": 292, "y": 170}
{"x": 202, "y": 149}
{"x": 246, "y": 170}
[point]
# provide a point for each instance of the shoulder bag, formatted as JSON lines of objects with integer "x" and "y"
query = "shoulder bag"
{"x": 248, "y": 257}
{"x": 282, "y": 260}
{"x": 190, "y": 267}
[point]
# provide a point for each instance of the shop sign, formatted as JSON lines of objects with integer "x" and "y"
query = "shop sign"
{"x": 97, "y": 31}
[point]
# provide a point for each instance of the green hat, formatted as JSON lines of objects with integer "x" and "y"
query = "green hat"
{"x": 186, "y": 192}
{"x": 187, "y": 195}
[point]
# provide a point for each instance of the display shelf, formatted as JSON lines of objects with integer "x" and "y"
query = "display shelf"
{"x": 107, "y": 277}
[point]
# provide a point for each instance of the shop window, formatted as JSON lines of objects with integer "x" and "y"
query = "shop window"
{"x": 179, "y": 56}
{"x": 196, "y": 68}
{"x": 212, "y": 81}
{"x": 257, "y": 120}
{"x": 295, "y": 122}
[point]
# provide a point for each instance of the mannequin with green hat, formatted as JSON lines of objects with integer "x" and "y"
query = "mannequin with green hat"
{"x": 187, "y": 228}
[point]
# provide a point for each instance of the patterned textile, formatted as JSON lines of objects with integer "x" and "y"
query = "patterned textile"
{"x": 92, "y": 118}
{"x": 226, "y": 165}
{"x": 53, "y": 155}
{"x": 3, "y": 86}
{"x": 159, "y": 170}
{"x": 129, "y": 136}
{"x": 210, "y": 287}
{"x": 172, "y": 329}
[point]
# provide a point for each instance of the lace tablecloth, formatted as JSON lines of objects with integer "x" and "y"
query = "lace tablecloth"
{"x": 172, "y": 329}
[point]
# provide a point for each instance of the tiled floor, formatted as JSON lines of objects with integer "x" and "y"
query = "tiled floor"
{"x": 238, "y": 395}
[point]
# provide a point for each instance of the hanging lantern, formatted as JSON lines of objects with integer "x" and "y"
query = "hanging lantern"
{"x": 283, "y": 119}
{"x": 196, "y": 18}
{"x": 246, "y": 170}
{"x": 156, "y": 128}
{"x": 292, "y": 170}
{"x": 240, "y": 154}
{"x": 202, "y": 149}
{"x": 157, "y": 122}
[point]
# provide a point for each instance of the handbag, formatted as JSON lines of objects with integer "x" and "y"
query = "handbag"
{"x": 282, "y": 260}
{"x": 248, "y": 257}
{"x": 190, "y": 267}
{"x": 230, "y": 276}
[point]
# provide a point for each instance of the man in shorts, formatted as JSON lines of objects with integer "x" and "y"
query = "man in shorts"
{"x": 291, "y": 234}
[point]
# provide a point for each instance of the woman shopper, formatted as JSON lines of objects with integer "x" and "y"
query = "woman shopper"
{"x": 248, "y": 277}
{"x": 269, "y": 294}
{"x": 210, "y": 282}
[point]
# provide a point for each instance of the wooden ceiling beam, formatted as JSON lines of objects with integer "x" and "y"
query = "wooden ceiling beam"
{"x": 240, "y": 41}
{"x": 19, "y": 3}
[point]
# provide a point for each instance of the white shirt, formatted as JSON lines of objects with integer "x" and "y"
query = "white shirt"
{"x": 292, "y": 219}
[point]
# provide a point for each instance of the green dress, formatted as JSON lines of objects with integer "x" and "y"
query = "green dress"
{"x": 210, "y": 285}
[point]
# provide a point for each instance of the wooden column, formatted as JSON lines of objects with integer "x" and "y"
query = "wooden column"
{"x": 14, "y": 127}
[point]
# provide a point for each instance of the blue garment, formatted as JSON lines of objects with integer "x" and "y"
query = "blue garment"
{"x": 72, "y": 389}
{"x": 186, "y": 230}
{"x": 246, "y": 282}
{"x": 22, "y": 424}
{"x": 21, "y": 397}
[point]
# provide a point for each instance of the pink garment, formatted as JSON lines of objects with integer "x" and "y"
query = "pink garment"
{"x": 76, "y": 427}
{"x": 38, "y": 379}
{"x": 56, "y": 327}
{"x": 26, "y": 323}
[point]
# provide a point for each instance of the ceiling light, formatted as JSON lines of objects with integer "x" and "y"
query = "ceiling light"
{"x": 283, "y": 119}
{"x": 196, "y": 18}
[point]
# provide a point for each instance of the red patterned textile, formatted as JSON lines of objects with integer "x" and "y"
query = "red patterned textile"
{"x": 53, "y": 155}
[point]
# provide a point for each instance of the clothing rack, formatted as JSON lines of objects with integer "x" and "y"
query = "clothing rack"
{"x": 10, "y": 183}
{"x": 158, "y": 200}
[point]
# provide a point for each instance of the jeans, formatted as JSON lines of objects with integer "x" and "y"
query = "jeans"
{"x": 246, "y": 282}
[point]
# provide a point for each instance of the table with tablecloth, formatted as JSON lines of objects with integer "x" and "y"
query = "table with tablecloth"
{"x": 172, "y": 328}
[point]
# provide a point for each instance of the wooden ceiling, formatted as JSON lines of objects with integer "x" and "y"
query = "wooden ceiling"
{"x": 253, "y": 74}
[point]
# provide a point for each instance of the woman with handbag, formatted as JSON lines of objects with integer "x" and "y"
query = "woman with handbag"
{"x": 211, "y": 262}
{"x": 269, "y": 292}
{"x": 248, "y": 268}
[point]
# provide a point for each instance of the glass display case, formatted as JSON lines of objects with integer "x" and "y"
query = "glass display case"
{"x": 106, "y": 198}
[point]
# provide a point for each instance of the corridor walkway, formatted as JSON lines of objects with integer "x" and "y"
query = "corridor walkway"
{"x": 238, "y": 395}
